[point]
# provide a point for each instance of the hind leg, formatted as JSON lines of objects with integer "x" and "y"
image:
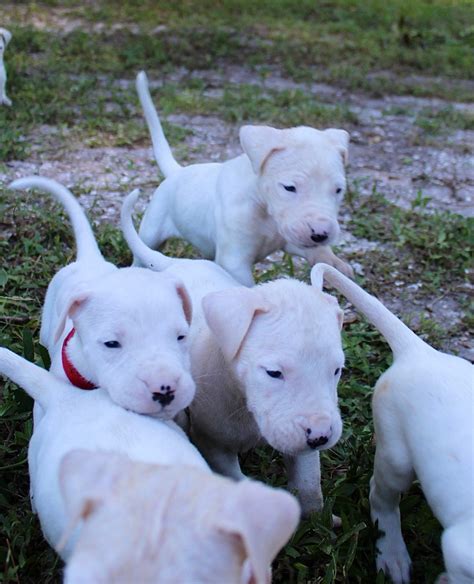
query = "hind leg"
{"x": 393, "y": 474}
{"x": 157, "y": 226}
{"x": 457, "y": 543}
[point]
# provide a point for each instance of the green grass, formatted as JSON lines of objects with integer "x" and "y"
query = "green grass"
{"x": 448, "y": 118}
{"x": 40, "y": 240}
{"x": 70, "y": 81}
{"x": 104, "y": 116}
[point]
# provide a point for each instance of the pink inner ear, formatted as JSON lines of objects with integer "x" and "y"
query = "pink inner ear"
{"x": 186, "y": 302}
{"x": 69, "y": 312}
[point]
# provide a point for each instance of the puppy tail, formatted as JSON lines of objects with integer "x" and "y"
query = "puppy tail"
{"x": 398, "y": 335}
{"x": 161, "y": 148}
{"x": 85, "y": 240}
{"x": 148, "y": 257}
{"x": 38, "y": 383}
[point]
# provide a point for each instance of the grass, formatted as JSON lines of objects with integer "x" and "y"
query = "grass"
{"x": 76, "y": 82}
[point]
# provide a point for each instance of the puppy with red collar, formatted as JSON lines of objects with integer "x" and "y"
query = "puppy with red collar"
{"x": 124, "y": 330}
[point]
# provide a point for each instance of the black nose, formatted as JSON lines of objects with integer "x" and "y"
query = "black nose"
{"x": 165, "y": 396}
{"x": 319, "y": 237}
{"x": 315, "y": 442}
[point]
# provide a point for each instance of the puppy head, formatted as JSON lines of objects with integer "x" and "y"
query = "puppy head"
{"x": 301, "y": 179}
{"x": 282, "y": 340}
{"x": 149, "y": 523}
{"x": 131, "y": 337}
{"x": 5, "y": 37}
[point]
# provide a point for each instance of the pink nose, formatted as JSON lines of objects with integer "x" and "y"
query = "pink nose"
{"x": 318, "y": 430}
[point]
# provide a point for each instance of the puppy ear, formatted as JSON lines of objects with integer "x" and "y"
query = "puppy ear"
{"x": 229, "y": 314}
{"x": 186, "y": 301}
{"x": 340, "y": 317}
{"x": 86, "y": 479}
{"x": 340, "y": 139}
{"x": 264, "y": 519}
{"x": 6, "y": 34}
{"x": 258, "y": 142}
{"x": 73, "y": 304}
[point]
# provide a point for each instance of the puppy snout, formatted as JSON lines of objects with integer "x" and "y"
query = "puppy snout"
{"x": 318, "y": 430}
{"x": 319, "y": 237}
{"x": 165, "y": 395}
{"x": 316, "y": 442}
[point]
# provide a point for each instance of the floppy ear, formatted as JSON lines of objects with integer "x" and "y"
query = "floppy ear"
{"x": 73, "y": 304}
{"x": 258, "y": 142}
{"x": 86, "y": 479}
{"x": 264, "y": 519}
{"x": 340, "y": 139}
{"x": 340, "y": 317}
{"x": 6, "y": 34}
{"x": 186, "y": 301}
{"x": 229, "y": 314}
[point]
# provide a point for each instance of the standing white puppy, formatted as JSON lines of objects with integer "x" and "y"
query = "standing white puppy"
{"x": 423, "y": 409}
{"x": 284, "y": 192}
{"x": 266, "y": 361}
{"x": 121, "y": 329}
{"x": 5, "y": 37}
{"x": 119, "y": 520}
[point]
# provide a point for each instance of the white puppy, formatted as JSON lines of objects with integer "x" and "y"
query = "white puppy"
{"x": 5, "y": 37}
{"x": 121, "y": 329}
{"x": 123, "y": 521}
{"x": 423, "y": 409}
{"x": 266, "y": 361}
{"x": 284, "y": 192}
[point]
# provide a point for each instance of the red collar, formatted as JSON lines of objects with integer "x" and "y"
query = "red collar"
{"x": 71, "y": 372}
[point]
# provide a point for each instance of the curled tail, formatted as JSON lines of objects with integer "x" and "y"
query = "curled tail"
{"x": 161, "y": 148}
{"x": 38, "y": 383}
{"x": 85, "y": 241}
{"x": 398, "y": 335}
{"x": 148, "y": 257}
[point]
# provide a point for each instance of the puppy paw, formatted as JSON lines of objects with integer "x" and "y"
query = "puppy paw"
{"x": 336, "y": 521}
{"x": 6, "y": 101}
{"x": 393, "y": 559}
{"x": 442, "y": 579}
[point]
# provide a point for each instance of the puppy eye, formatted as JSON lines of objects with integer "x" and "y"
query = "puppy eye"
{"x": 275, "y": 374}
{"x": 338, "y": 370}
{"x": 181, "y": 337}
{"x": 112, "y": 344}
{"x": 290, "y": 188}
{"x": 338, "y": 191}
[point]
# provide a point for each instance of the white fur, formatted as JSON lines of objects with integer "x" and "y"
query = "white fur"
{"x": 236, "y": 337}
{"x": 238, "y": 212}
{"x": 143, "y": 311}
{"x": 423, "y": 409}
{"x": 5, "y": 37}
{"x": 118, "y": 518}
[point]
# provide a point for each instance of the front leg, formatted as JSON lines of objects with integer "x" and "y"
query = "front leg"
{"x": 238, "y": 263}
{"x": 304, "y": 477}
{"x": 220, "y": 459}
{"x": 321, "y": 254}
